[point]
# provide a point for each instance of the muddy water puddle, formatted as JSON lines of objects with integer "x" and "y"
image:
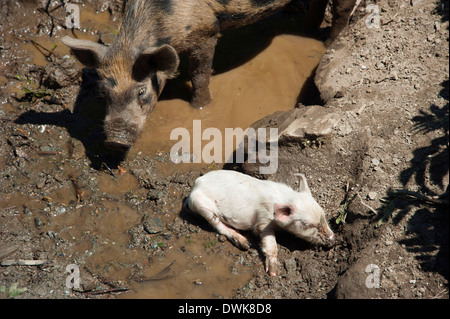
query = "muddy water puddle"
{"x": 269, "y": 82}
{"x": 245, "y": 87}
{"x": 196, "y": 269}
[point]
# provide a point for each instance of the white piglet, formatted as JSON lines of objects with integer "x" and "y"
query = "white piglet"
{"x": 232, "y": 201}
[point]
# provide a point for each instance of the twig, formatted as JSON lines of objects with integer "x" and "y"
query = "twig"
{"x": 6, "y": 251}
{"x": 110, "y": 170}
{"x": 439, "y": 294}
{"x": 159, "y": 276}
{"x": 77, "y": 188}
{"x": 367, "y": 206}
{"x": 43, "y": 153}
{"x": 41, "y": 48}
{"x": 23, "y": 262}
{"x": 105, "y": 291}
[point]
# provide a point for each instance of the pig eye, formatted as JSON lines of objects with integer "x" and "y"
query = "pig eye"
{"x": 141, "y": 92}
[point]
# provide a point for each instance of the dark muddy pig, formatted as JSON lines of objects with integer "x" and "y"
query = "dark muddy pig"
{"x": 134, "y": 69}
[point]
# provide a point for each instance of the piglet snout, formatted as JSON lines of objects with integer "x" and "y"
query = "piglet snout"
{"x": 330, "y": 240}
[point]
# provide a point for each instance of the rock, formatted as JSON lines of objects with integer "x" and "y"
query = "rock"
{"x": 77, "y": 149}
{"x": 431, "y": 37}
{"x": 306, "y": 126}
{"x": 329, "y": 78}
{"x": 87, "y": 281}
{"x": 60, "y": 73}
{"x": 152, "y": 225}
{"x": 311, "y": 271}
{"x": 372, "y": 195}
{"x": 300, "y": 124}
{"x": 363, "y": 279}
{"x": 290, "y": 265}
{"x": 437, "y": 26}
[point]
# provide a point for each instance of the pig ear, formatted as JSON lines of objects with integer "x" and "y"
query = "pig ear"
{"x": 89, "y": 53}
{"x": 283, "y": 212}
{"x": 162, "y": 60}
{"x": 303, "y": 184}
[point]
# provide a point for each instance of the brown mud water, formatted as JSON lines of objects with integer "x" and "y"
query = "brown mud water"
{"x": 257, "y": 72}
{"x": 66, "y": 203}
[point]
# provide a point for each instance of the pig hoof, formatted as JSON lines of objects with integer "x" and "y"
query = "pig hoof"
{"x": 271, "y": 273}
{"x": 201, "y": 102}
{"x": 241, "y": 242}
{"x": 244, "y": 246}
{"x": 272, "y": 267}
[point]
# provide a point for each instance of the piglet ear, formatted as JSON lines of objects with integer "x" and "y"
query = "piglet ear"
{"x": 163, "y": 60}
{"x": 303, "y": 184}
{"x": 283, "y": 212}
{"x": 89, "y": 53}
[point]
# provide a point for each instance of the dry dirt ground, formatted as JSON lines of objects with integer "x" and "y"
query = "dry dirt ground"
{"x": 381, "y": 175}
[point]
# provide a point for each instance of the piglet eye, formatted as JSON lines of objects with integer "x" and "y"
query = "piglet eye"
{"x": 141, "y": 91}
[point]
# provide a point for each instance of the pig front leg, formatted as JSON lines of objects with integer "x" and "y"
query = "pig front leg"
{"x": 200, "y": 69}
{"x": 269, "y": 247}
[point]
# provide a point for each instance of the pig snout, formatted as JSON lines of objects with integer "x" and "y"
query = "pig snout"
{"x": 326, "y": 235}
{"x": 330, "y": 241}
{"x": 320, "y": 239}
{"x": 120, "y": 135}
{"x": 117, "y": 144}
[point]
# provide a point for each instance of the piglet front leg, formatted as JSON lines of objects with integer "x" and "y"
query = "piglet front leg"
{"x": 269, "y": 247}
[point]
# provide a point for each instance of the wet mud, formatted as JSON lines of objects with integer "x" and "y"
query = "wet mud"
{"x": 115, "y": 222}
{"x": 67, "y": 200}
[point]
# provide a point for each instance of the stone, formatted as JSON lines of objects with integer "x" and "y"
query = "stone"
{"x": 60, "y": 73}
{"x": 152, "y": 225}
{"x": 372, "y": 195}
{"x": 304, "y": 123}
{"x": 290, "y": 265}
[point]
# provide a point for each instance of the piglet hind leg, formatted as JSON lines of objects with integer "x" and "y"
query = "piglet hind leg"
{"x": 237, "y": 239}
{"x": 233, "y": 236}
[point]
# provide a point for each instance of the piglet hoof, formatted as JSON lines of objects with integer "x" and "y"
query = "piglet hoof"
{"x": 244, "y": 245}
{"x": 241, "y": 242}
{"x": 272, "y": 266}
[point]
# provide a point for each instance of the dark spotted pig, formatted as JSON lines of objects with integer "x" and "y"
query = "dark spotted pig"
{"x": 134, "y": 69}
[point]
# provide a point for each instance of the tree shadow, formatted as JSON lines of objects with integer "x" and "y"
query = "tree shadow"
{"x": 434, "y": 157}
{"x": 442, "y": 8}
{"x": 427, "y": 228}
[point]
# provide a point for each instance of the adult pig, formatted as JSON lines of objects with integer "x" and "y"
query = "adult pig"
{"x": 134, "y": 69}
{"x": 232, "y": 201}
